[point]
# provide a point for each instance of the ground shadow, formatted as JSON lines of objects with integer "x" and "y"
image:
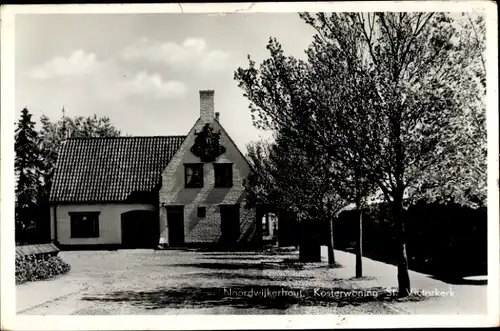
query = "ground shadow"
{"x": 458, "y": 280}
{"x": 210, "y": 252}
{"x": 448, "y": 278}
{"x": 260, "y": 297}
{"x": 221, "y": 266}
{"x": 242, "y": 257}
{"x": 296, "y": 262}
{"x": 264, "y": 265}
{"x": 254, "y": 277}
{"x": 361, "y": 278}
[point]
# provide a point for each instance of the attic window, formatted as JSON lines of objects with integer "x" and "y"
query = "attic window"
{"x": 193, "y": 175}
{"x": 223, "y": 174}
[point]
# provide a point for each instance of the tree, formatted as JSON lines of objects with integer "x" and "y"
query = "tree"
{"x": 297, "y": 184}
{"x": 466, "y": 185}
{"x": 282, "y": 99}
{"x": 36, "y": 156}
{"x": 27, "y": 169}
{"x": 384, "y": 95}
{"x": 421, "y": 79}
{"x": 53, "y": 135}
{"x": 343, "y": 181}
{"x": 345, "y": 175}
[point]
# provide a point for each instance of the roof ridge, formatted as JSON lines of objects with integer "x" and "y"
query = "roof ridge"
{"x": 126, "y": 137}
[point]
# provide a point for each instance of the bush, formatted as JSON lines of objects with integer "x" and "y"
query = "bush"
{"x": 38, "y": 267}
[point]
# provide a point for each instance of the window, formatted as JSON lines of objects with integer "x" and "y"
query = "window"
{"x": 84, "y": 224}
{"x": 202, "y": 212}
{"x": 223, "y": 174}
{"x": 194, "y": 175}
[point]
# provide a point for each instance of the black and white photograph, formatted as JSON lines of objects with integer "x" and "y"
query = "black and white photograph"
{"x": 330, "y": 160}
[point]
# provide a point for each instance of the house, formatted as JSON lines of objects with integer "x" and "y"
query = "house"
{"x": 177, "y": 191}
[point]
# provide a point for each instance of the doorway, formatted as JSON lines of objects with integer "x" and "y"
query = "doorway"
{"x": 140, "y": 229}
{"x": 230, "y": 224}
{"x": 175, "y": 223}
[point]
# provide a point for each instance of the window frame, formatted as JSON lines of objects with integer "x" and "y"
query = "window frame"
{"x": 192, "y": 165}
{"x": 76, "y": 217}
{"x": 229, "y": 182}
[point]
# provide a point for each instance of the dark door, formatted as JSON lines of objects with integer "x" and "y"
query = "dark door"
{"x": 175, "y": 221}
{"x": 230, "y": 224}
{"x": 140, "y": 229}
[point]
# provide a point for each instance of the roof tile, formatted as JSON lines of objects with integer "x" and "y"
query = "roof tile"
{"x": 110, "y": 169}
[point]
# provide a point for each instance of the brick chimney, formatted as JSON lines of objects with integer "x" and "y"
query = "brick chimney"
{"x": 207, "y": 110}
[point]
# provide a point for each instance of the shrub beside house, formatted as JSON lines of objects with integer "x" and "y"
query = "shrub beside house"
{"x": 38, "y": 262}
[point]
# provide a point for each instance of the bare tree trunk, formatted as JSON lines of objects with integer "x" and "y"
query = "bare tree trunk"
{"x": 359, "y": 241}
{"x": 403, "y": 276}
{"x": 331, "y": 245}
{"x": 359, "y": 246}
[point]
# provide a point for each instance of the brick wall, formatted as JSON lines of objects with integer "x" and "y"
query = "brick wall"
{"x": 208, "y": 229}
{"x": 207, "y": 105}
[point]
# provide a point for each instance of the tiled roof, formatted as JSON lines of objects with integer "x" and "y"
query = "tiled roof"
{"x": 111, "y": 169}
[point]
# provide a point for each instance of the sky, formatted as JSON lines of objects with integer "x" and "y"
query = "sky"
{"x": 144, "y": 71}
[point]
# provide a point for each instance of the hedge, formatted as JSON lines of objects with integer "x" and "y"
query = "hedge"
{"x": 38, "y": 267}
{"x": 447, "y": 240}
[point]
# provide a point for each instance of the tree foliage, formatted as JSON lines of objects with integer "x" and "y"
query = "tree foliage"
{"x": 395, "y": 99}
{"x": 291, "y": 181}
{"x": 27, "y": 169}
{"x": 54, "y": 133}
{"x": 419, "y": 81}
{"x": 297, "y": 185}
{"x": 36, "y": 157}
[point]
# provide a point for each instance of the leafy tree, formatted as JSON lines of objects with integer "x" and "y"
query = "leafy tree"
{"x": 389, "y": 97}
{"x": 295, "y": 183}
{"x": 54, "y": 133}
{"x": 461, "y": 177}
{"x": 27, "y": 169}
{"x": 418, "y": 74}
{"x": 36, "y": 156}
{"x": 281, "y": 93}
